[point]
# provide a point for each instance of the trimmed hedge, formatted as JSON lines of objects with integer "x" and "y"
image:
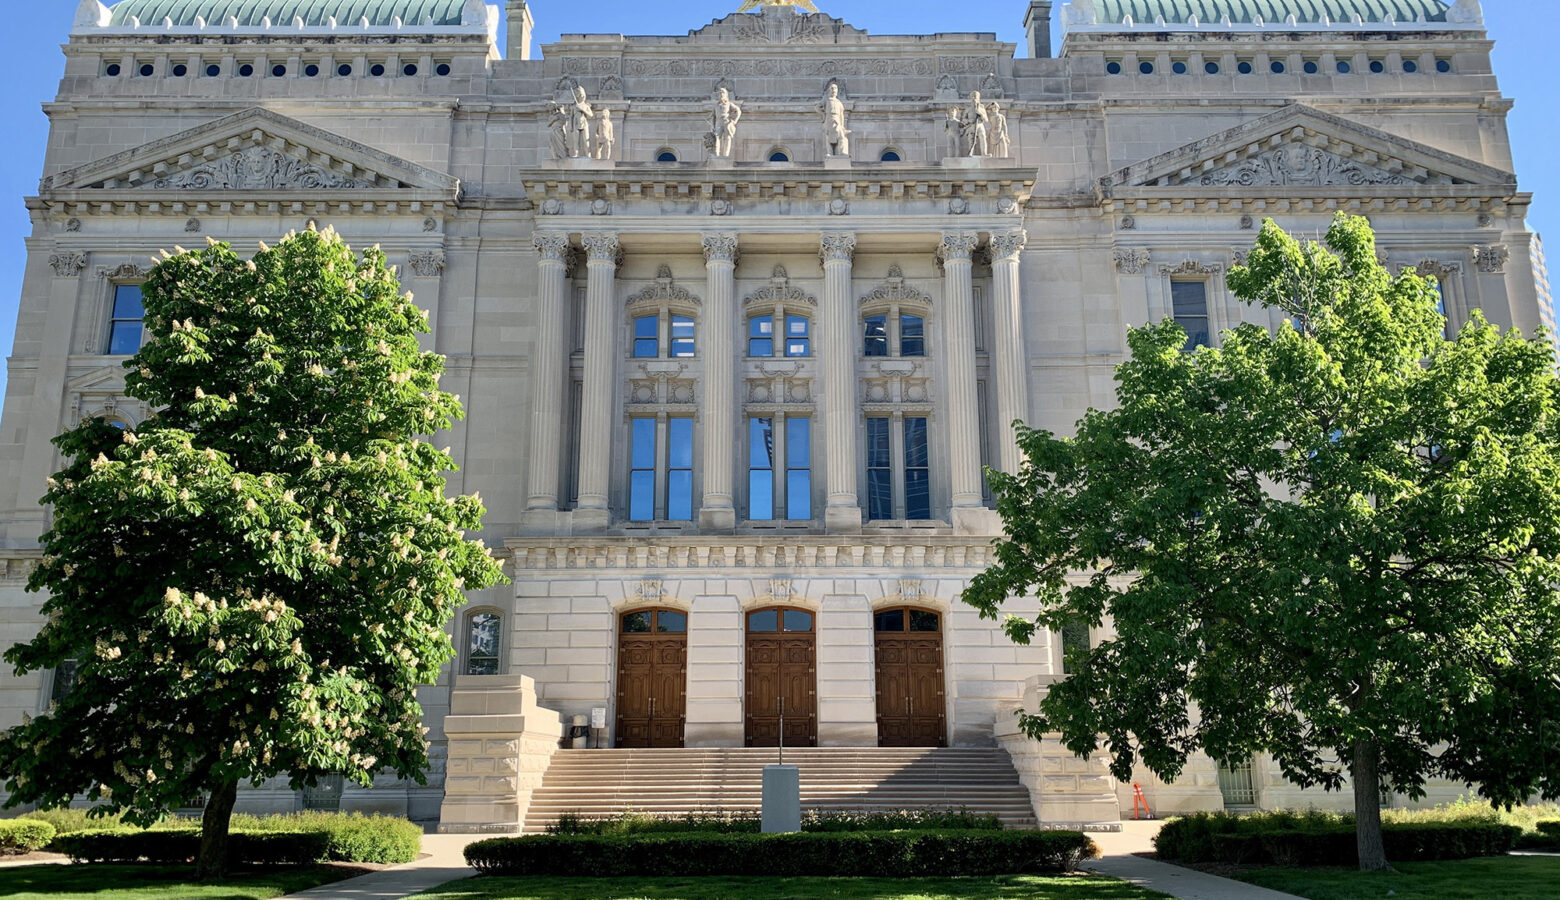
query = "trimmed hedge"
{"x": 749, "y": 823}
{"x": 353, "y": 837}
{"x": 171, "y": 847}
{"x": 1549, "y": 828}
{"x": 18, "y": 836}
{"x": 1317, "y": 840}
{"x": 851, "y": 853}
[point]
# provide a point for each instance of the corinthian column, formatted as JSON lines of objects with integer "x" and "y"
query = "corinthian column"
{"x": 838, "y": 336}
{"x": 547, "y": 371}
{"x": 963, "y": 420}
{"x": 716, "y": 512}
{"x": 601, "y": 254}
{"x": 1012, "y": 361}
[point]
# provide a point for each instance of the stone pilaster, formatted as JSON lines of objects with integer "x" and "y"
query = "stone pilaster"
{"x": 601, "y": 379}
{"x": 716, "y": 512}
{"x": 847, "y": 682}
{"x": 715, "y": 639}
{"x": 958, "y": 325}
{"x": 548, "y": 360}
{"x": 1009, "y": 354}
{"x": 838, "y": 336}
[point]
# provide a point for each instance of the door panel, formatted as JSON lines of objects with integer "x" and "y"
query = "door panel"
{"x": 651, "y": 695}
{"x": 781, "y": 665}
{"x": 910, "y": 694}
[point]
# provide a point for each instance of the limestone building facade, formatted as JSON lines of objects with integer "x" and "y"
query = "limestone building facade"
{"x": 738, "y": 315}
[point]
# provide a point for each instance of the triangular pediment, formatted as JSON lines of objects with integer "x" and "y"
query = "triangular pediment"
{"x": 1304, "y": 147}
{"x": 255, "y": 150}
{"x": 106, "y": 378}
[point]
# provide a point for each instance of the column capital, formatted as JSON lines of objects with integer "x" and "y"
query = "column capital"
{"x": 836, "y": 246}
{"x": 602, "y": 246}
{"x": 552, "y": 246}
{"x": 1006, "y": 245}
{"x": 957, "y": 245}
{"x": 720, "y": 247}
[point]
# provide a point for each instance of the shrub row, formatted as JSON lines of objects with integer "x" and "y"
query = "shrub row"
{"x": 244, "y": 848}
{"x": 1549, "y": 828}
{"x": 349, "y": 837}
{"x": 1322, "y": 839}
{"x": 748, "y": 823}
{"x": 18, "y": 836}
{"x": 854, "y": 853}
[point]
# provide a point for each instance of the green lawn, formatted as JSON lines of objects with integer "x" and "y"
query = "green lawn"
{"x": 1503, "y": 877}
{"x": 1007, "y": 887}
{"x": 54, "y": 882}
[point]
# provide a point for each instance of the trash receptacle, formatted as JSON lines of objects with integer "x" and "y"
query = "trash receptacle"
{"x": 579, "y": 733}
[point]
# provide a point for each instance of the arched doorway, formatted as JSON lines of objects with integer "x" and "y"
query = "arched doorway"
{"x": 652, "y": 677}
{"x": 781, "y": 677}
{"x": 910, "y": 701}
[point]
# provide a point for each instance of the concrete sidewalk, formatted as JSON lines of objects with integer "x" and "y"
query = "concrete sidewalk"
{"x": 444, "y": 863}
{"x": 1117, "y": 860}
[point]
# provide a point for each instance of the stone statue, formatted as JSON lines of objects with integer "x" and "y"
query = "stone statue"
{"x": 1000, "y": 144}
{"x": 835, "y": 134}
{"x": 604, "y": 133}
{"x": 558, "y": 132}
{"x": 976, "y": 127}
{"x": 581, "y": 120}
{"x": 953, "y": 131}
{"x": 723, "y": 123}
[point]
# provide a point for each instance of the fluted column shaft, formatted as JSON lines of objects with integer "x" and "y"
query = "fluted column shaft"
{"x": 838, "y": 338}
{"x": 547, "y": 368}
{"x": 963, "y": 418}
{"x": 1012, "y": 361}
{"x": 601, "y": 254}
{"x": 716, "y": 512}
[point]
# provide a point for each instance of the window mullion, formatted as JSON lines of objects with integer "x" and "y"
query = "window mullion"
{"x": 662, "y": 463}
{"x": 781, "y": 462}
{"x": 896, "y": 451}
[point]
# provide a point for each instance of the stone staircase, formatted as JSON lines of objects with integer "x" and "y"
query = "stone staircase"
{"x": 674, "y": 782}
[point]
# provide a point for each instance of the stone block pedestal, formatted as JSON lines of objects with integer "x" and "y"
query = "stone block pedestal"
{"x": 500, "y": 742}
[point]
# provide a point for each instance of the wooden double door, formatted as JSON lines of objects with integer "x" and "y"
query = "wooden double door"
{"x": 652, "y": 678}
{"x": 910, "y": 696}
{"x": 782, "y": 680}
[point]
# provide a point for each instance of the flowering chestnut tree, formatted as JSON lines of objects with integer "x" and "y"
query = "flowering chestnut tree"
{"x": 254, "y": 582}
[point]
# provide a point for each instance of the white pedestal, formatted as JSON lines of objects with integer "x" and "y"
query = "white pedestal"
{"x": 782, "y": 799}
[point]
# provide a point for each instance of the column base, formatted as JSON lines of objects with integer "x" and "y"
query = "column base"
{"x": 541, "y": 521}
{"x": 719, "y": 520}
{"x": 842, "y": 520}
{"x": 590, "y": 521}
{"x": 976, "y": 520}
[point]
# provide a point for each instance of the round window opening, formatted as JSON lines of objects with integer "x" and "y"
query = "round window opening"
{"x": 181, "y": 70}
{"x": 409, "y": 69}
{"x": 1410, "y": 66}
{"x": 112, "y": 70}
{"x": 376, "y": 70}
{"x": 213, "y": 71}
{"x": 1377, "y": 66}
{"x": 343, "y": 69}
{"x": 1212, "y": 68}
{"x": 278, "y": 71}
{"x": 1311, "y": 68}
{"x": 666, "y": 156}
{"x": 1147, "y": 68}
{"x": 246, "y": 70}
{"x": 311, "y": 70}
{"x": 1113, "y": 68}
{"x": 1276, "y": 67}
{"x": 1244, "y": 68}
{"x": 147, "y": 70}
{"x": 890, "y": 156}
{"x": 779, "y": 156}
{"x": 1344, "y": 67}
{"x": 1178, "y": 67}
{"x": 1443, "y": 66}
{"x": 442, "y": 69}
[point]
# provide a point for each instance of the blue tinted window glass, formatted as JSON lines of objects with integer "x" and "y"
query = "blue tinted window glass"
{"x": 1113, "y": 68}
{"x": 1243, "y": 67}
{"x": 761, "y": 443}
{"x": 761, "y": 336}
{"x": 796, "y": 337}
{"x": 679, "y": 445}
{"x": 127, "y": 301}
{"x": 679, "y": 470}
{"x": 890, "y": 156}
{"x": 1311, "y": 68}
{"x": 798, "y": 620}
{"x": 798, "y": 461}
{"x": 1377, "y": 66}
{"x": 798, "y": 443}
{"x": 641, "y": 495}
{"x": 124, "y": 332}
{"x": 798, "y": 494}
{"x": 877, "y": 444}
{"x": 1212, "y": 68}
{"x": 644, "y": 444}
{"x": 1178, "y": 67}
{"x": 880, "y": 494}
{"x": 915, "y": 443}
{"x": 1276, "y": 67}
{"x": 764, "y": 620}
{"x": 666, "y": 156}
{"x": 1147, "y": 68}
{"x": 912, "y": 336}
{"x": 1410, "y": 66}
{"x": 761, "y": 495}
{"x": 647, "y": 340}
{"x": 761, "y": 468}
{"x": 918, "y": 492}
{"x": 1344, "y": 67}
{"x": 876, "y": 343}
{"x": 669, "y": 621}
{"x": 682, "y": 336}
{"x": 1443, "y": 66}
{"x": 1189, "y": 305}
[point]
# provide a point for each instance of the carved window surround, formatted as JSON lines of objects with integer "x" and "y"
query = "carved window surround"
{"x": 909, "y": 548}
{"x": 1220, "y": 315}
{"x": 662, "y": 297}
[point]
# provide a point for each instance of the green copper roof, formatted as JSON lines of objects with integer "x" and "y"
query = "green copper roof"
{"x": 1243, "y": 12}
{"x": 249, "y": 13}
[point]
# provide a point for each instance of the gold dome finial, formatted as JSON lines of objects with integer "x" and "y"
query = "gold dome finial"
{"x": 755, "y": 4}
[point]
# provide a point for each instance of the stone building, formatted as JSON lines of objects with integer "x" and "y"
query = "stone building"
{"x": 739, "y": 314}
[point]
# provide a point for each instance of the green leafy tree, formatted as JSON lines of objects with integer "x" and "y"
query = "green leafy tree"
{"x": 255, "y": 581}
{"x": 1337, "y": 544}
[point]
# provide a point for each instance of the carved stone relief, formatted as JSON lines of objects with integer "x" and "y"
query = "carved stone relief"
{"x": 893, "y": 290}
{"x": 1131, "y": 261}
{"x": 1300, "y": 166}
{"x": 1191, "y": 267}
{"x": 257, "y": 169}
{"x": 1491, "y": 258}
{"x": 123, "y": 272}
{"x": 663, "y": 292}
{"x": 427, "y": 264}
{"x": 779, "y": 293}
{"x": 68, "y": 265}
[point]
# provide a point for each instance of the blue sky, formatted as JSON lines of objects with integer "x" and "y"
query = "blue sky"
{"x": 1524, "y": 31}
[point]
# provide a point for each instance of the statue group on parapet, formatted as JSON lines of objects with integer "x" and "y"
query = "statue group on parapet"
{"x": 977, "y": 129}
{"x": 578, "y": 131}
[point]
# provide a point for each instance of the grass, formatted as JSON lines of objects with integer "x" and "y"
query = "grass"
{"x": 1006, "y": 887}
{"x": 57, "y": 882}
{"x": 1506, "y": 877}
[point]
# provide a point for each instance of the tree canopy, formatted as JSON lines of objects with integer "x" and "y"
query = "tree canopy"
{"x": 1337, "y": 544}
{"x": 255, "y": 580}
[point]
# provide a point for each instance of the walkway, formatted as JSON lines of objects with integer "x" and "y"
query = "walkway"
{"x": 444, "y": 863}
{"x": 1118, "y": 861}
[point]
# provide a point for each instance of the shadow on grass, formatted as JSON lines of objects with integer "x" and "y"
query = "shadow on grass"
{"x": 1503, "y": 877}
{"x": 1008, "y": 887}
{"x": 105, "y": 882}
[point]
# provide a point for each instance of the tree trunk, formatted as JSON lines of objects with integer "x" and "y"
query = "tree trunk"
{"x": 212, "y": 864}
{"x": 1367, "y": 808}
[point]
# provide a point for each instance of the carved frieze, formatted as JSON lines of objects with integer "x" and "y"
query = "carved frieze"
{"x": 794, "y": 551}
{"x": 894, "y": 291}
{"x": 779, "y": 293}
{"x": 1192, "y": 267}
{"x": 1300, "y": 166}
{"x": 769, "y": 68}
{"x": 123, "y": 272}
{"x": 68, "y": 265}
{"x": 427, "y": 263}
{"x": 1491, "y": 258}
{"x": 1131, "y": 260}
{"x": 665, "y": 292}
{"x": 257, "y": 169}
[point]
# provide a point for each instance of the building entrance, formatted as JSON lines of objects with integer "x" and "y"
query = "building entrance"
{"x": 909, "y": 678}
{"x": 781, "y": 678}
{"x": 652, "y": 678}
